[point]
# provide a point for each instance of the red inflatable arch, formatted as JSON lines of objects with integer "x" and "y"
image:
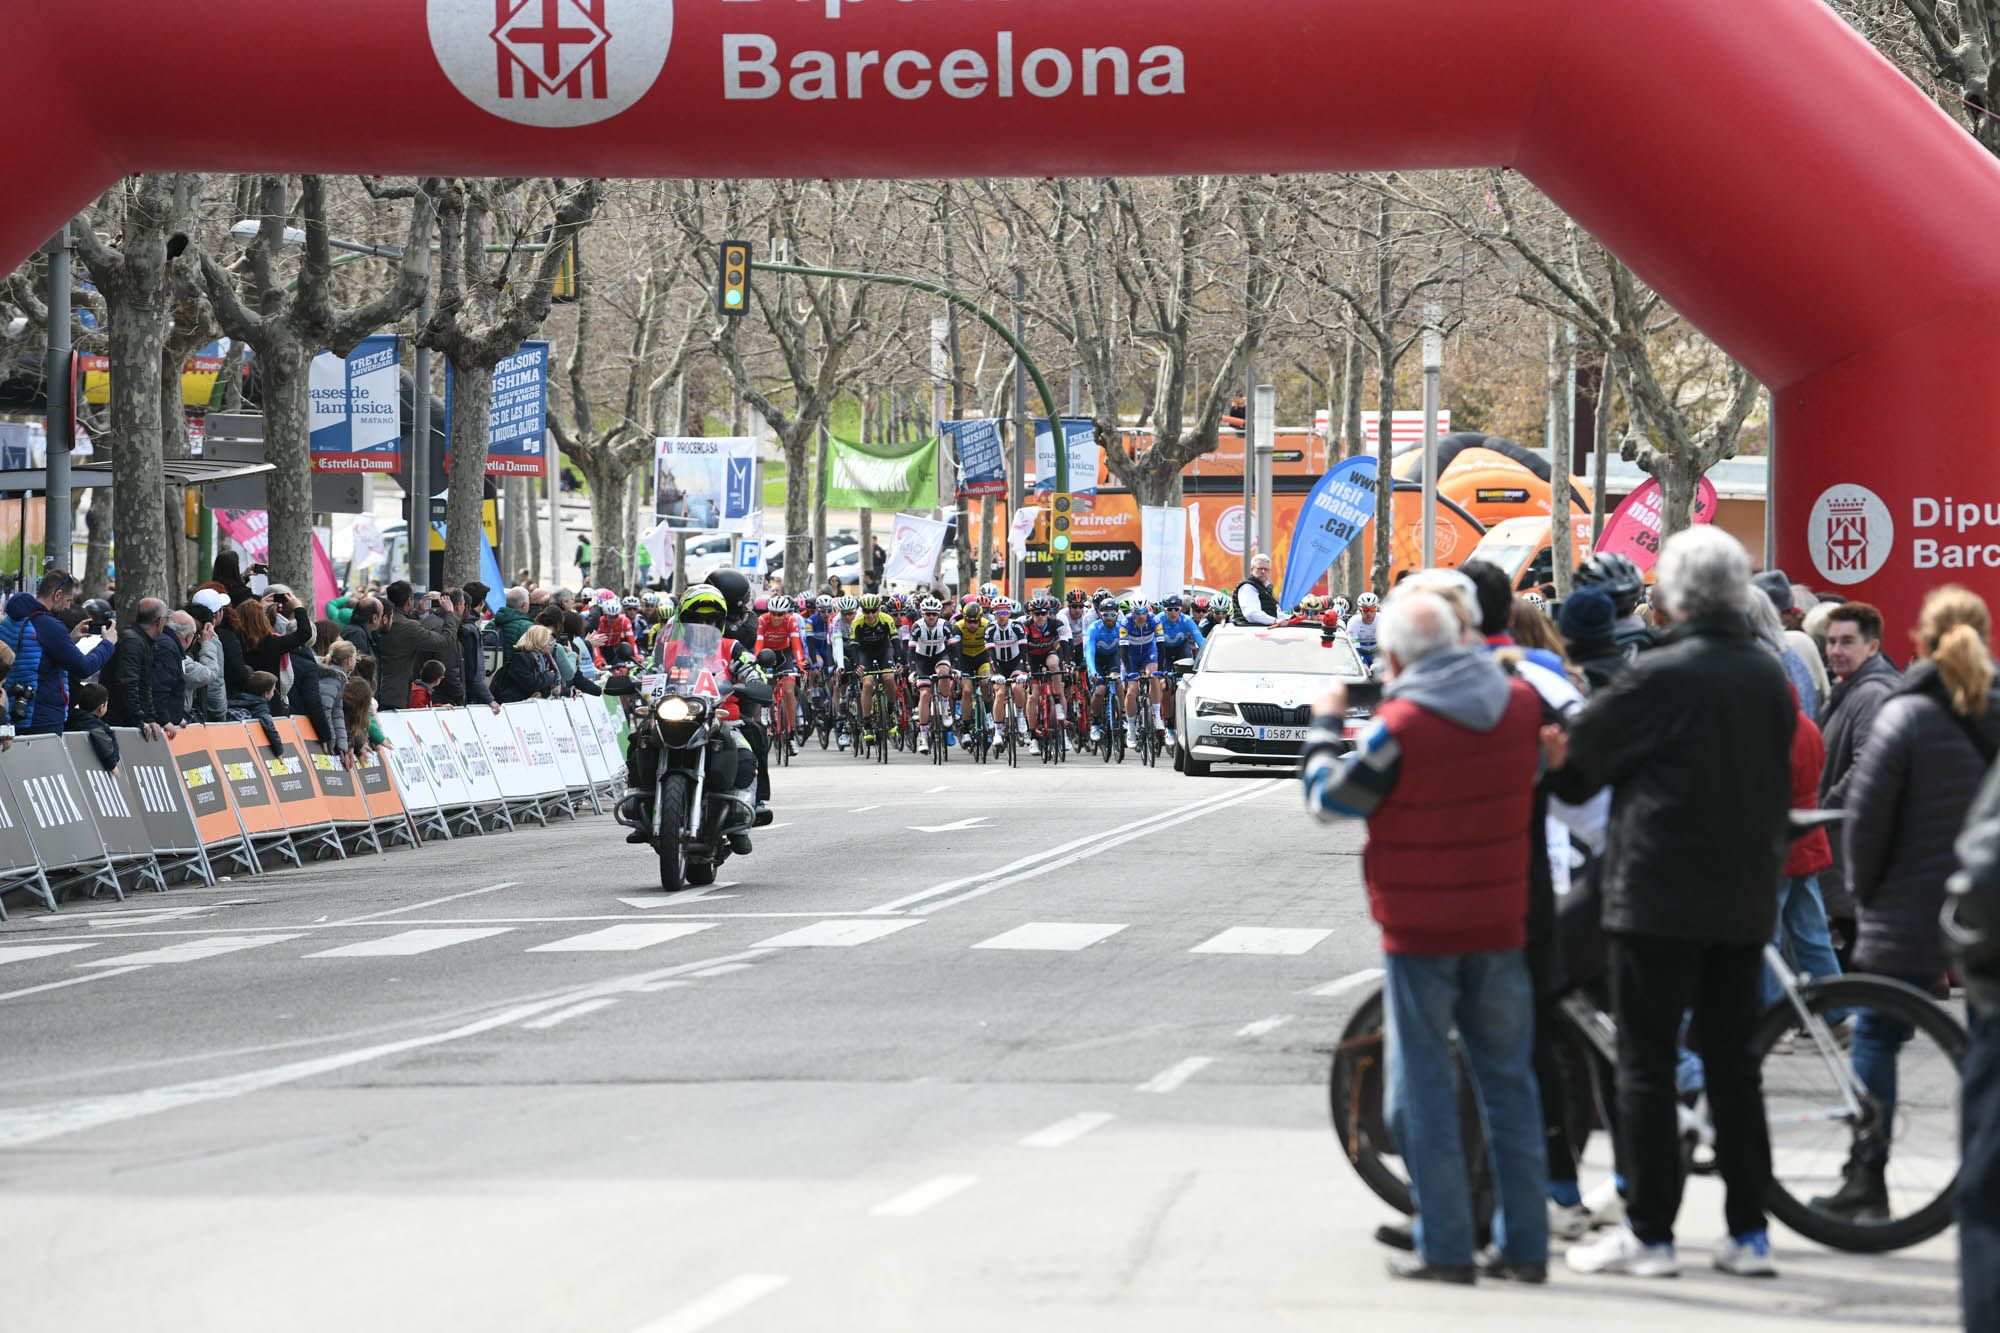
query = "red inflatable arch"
{"x": 1754, "y": 160}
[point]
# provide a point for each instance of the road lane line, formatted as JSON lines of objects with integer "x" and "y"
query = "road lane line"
{"x": 723, "y": 970}
{"x": 1169, "y": 1079}
{"x": 863, "y": 809}
{"x": 1263, "y": 940}
{"x": 547, "y": 1021}
{"x": 1052, "y": 936}
{"x": 736, "y": 1294}
{"x": 935, "y": 790}
{"x": 72, "y": 981}
{"x": 834, "y": 935}
{"x": 1067, "y": 1131}
{"x": 1352, "y": 981}
{"x": 409, "y": 943}
{"x": 189, "y": 951}
{"x": 1264, "y": 1027}
{"x": 18, "y": 953}
{"x": 23, "y": 1125}
{"x": 924, "y": 1197}
{"x": 431, "y": 902}
{"x": 1056, "y": 858}
{"x": 618, "y": 939}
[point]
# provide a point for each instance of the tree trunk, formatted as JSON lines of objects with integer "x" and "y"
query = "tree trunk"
{"x": 174, "y": 444}
{"x": 1385, "y": 482}
{"x": 798, "y": 503}
{"x": 1349, "y": 427}
{"x": 529, "y": 488}
{"x": 821, "y": 475}
{"x": 137, "y": 334}
{"x": 1600, "y": 447}
{"x": 471, "y": 424}
{"x": 515, "y": 522}
{"x": 985, "y": 539}
{"x": 1679, "y": 476}
{"x": 1562, "y": 555}
{"x": 97, "y": 555}
{"x": 287, "y": 372}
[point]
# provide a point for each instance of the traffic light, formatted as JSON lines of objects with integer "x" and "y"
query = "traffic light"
{"x": 1060, "y": 508}
{"x": 732, "y": 296}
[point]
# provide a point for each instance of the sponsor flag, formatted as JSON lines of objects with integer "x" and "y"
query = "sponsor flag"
{"x": 1341, "y": 504}
{"x": 881, "y": 476}
{"x": 1634, "y": 527}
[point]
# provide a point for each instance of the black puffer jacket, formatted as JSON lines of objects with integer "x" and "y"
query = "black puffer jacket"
{"x": 1844, "y": 723}
{"x": 1695, "y": 742}
{"x": 1906, "y": 800}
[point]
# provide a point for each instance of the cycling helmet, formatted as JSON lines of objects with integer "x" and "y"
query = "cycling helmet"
{"x": 847, "y": 606}
{"x": 761, "y": 605}
{"x": 1107, "y": 608}
{"x": 667, "y": 605}
{"x": 989, "y": 590}
{"x": 871, "y": 602}
{"x": 1617, "y": 576}
{"x": 1101, "y": 594}
{"x": 630, "y": 604}
{"x": 1222, "y": 605}
{"x": 1366, "y": 600}
{"x": 1125, "y": 605}
{"x": 782, "y": 605}
{"x": 977, "y": 604}
{"x": 734, "y": 587}
{"x": 703, "y": 605}
{"x": 1201, "y": 605}
{"x": 1311, "y": 605}
{"x": 1075, "y": 597}
{"x": 1340, "y": 605}
{"x": 824, "y": 602}
{"x": 1003, "y": 607}
{"x": 1173, "y": 604}
{"x": 932, "y": 606}
{"x": 1534, "y": 599}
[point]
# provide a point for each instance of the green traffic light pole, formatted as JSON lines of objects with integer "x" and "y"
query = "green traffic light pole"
{"x": 1058, "y": 560}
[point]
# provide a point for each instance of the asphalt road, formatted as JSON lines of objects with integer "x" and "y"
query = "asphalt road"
{"x": 959, "y": 1048}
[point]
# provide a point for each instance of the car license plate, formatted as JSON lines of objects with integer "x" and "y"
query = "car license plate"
{"x": 1281, "y": 733}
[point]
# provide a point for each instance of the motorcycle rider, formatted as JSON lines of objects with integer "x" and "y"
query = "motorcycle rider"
{"x": 732, "y": 763}
{"x": 740, "y": 627}
{"x": 1621, "y": 579}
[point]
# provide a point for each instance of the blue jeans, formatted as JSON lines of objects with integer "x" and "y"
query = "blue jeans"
{"x": 1802, "y": 936}
{"x": 1878, "y": 1039}
{"x": 1489, "y": 1000}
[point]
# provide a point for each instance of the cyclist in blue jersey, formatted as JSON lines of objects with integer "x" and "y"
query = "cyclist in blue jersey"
{"x": 1103, "y": 660}
{"x": 1180, "y": 637}
{"x": 1140, "y": 640}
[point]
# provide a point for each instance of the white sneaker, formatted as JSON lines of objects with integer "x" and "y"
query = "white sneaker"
{"x": 1096, "y": 735}
{"x": 1567, "y": 1223}
{"x": 1605, "y": 1205}
{"x": 1623, "y": 1252}
{"x": 840, "y": 739}
{"x": 923, "y": 742}
{"x": 1172, "y": 742}
{"x": 1748, "y": 1257}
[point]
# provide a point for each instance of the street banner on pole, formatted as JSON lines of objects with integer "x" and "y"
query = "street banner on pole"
{"x": 1634, "y": 527}
{"x": 1342, "y": 503}
{"x": 1084, "y": 457}
{"x": 707, "y": 485}
{"x": 1021, "y": 528}
{"x": 881, "y": 476}
{"x": 1162, "y": 551}
{"x": 518, "y": 424}
{"x": 982, "y": 457}
{"x": 915, "y": 547}
{"x": 357, "y": 408}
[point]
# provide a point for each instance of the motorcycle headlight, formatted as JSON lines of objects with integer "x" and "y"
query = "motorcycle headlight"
{"x": 1215, "y": 708}
{"x": 678, "y": 709}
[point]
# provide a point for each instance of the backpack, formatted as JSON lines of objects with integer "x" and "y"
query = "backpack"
{"x": 24, "y": 678}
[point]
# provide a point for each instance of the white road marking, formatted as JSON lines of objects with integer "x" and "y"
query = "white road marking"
{"x": 617, "y": 939}
{"x": 1263, "y": 940}
{"x": 655, "y": 987}
{"x": 723, "y": 970}
{"x": 957, "y": 826}
{"x": 717, "y": 1305}
{"x": 863, "y": 809}
{"x": 935, "y": 790}
{"x": 924, "y": 1197}
{"x": 72, "y": 981}
{"x": 1069, "y": 853}
{"x": 18, "y": 953}
{"x": 188, "y": 951}
{"x": 547, "y": 1021}
{"x": 1057, "y": 936}
{"x": 409, "y": 943}
{"x": 833, "y": 934}
{"x": 23, "y": 1125}
{"x": 1169, "y": 1079}
{"x": 1353, "y": 981}
{"x": 1264, "y": 1027}
{"x": 1067, "y": 1131}
{"x": 430, "y": 902}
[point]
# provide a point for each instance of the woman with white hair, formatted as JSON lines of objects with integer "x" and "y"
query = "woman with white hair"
{"x": 1694, "y": 739}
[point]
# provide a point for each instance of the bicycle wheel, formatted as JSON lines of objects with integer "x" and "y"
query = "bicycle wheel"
{"x": 1806, "y": 1088}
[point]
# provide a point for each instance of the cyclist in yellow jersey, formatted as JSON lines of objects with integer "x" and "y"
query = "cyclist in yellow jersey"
{"x": 873, "y": 633}
{"x": 975, "y": 654}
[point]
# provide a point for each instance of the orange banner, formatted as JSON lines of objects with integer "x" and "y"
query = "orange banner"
{"x": 336, "y": 786}
{"x": 240, "y": 750}
{"x": 208, "y": 790}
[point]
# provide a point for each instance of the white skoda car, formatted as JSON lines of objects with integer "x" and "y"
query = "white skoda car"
{"x": 1249, "y": 699}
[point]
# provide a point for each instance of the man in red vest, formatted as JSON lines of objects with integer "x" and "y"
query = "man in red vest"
{"x": 1445, "y": 777}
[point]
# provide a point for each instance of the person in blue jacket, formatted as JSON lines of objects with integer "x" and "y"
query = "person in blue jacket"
{"x": 1140, "y": 635}
{"x": 1180, "y": 637}
{"x": 1102, "y": 661}
{"x": 45, "y": 654}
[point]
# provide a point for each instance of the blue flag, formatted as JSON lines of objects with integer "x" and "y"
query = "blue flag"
{"x": 1340, "y": 506}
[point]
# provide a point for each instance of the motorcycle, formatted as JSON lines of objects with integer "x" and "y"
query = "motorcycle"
{"x": 677, "y": 716}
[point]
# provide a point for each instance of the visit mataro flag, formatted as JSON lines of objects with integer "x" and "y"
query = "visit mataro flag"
{"x": 882, "y": 476}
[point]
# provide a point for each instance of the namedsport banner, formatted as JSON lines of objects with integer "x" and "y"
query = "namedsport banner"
{"x": 1340, "y": 506}
{"x": 357, "y": 408}
{"x": 881, "y": 476}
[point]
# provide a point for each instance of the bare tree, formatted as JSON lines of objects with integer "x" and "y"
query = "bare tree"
{"x": 288, "y": 321}
{"x": 135, "y": 275}
{"x": 1951, "y": 48}
{"x": 484, "y": 310}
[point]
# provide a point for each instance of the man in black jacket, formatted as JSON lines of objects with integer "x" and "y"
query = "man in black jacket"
{"x": 1695, "y": 742}
{"x": 404, "y": 640}
{"x": 1863, "y": 681}
{"x": 1972, "y": 935}
{"x": 360, "y": 627}
{"x": 129, "y": 677}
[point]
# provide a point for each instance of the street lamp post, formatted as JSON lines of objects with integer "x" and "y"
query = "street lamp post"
{"x": 1433, "y": 377}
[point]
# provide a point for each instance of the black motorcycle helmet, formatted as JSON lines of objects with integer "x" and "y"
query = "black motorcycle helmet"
{"x": 1617, "y": 576}
{"x": 99, "y": 611}
{"x": 734, "y": 587}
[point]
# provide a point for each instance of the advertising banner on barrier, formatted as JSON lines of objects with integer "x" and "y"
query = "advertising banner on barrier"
{"x": 562, "y": 735}
{"x": 54, "y": 806}
{"x": 441, "y": 755}
{"x": 588, "y": 741}
{"x": 336, "y": 786}
{"x": 16, "y": 852}
{"x": 503, "y": 747}
{"x": 291, "y": 784}
{"x": 237, "y": 752}
{"x": 209, "y": 790}
{"x": 475, "y": 766}
{"x": 118, "y": 823}
{"x": 379, "y": 789}
{"x": 147, "y": 769}
{"x": 538, "y": 748}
